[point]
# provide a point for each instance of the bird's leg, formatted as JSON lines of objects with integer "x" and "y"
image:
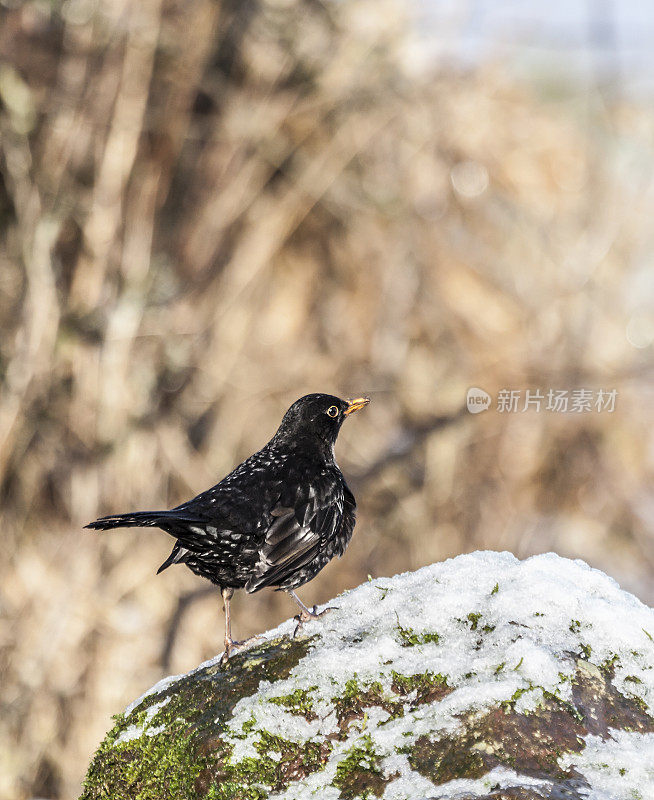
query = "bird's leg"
{"x": 305, "y": 613}
{"x": 231, "y": 645}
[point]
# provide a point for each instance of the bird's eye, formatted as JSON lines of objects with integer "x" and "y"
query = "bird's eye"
{"x": 332, "y": 411}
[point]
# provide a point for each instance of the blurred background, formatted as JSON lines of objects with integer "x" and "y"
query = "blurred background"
{"x": 211, "y": 207}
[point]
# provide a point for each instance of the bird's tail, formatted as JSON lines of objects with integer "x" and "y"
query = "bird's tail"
{"x": 138, "y": 519}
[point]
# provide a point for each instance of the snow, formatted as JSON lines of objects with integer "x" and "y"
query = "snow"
{"x": 617, "y": 768}
{"x": 136, "y": 731}
{"x": 499, "y": 777}
{"x": 503, "y": 627}
{"x": 159, "y": 687}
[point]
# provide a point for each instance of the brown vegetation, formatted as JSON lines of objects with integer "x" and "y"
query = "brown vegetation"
{"x": 210, "y": 208}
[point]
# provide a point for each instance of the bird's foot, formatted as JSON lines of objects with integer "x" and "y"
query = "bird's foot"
{"x": 308, "y": 614}
{"x": 232, "y": 647}
{"x": 312, "y": 613}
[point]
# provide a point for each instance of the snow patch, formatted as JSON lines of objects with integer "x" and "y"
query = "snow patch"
{"x": 498, "y": 778}
{"x": 619, "y": 768}
{"x": 136, "y": 731}
{"x": 497, "y": 630}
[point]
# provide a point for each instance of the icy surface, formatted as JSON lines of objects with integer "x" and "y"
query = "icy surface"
{"x": 498, "y": 630}
{"x": 136, "y": 731}
{"x": 619, "y": 768}
{"x": 164, "y": 683}
{"x": 498, "y": 778}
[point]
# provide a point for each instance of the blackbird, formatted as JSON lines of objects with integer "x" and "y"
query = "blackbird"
{"x": 276, "y": 520}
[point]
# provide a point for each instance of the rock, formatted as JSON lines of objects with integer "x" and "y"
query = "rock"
{"x": 483, "y": 677}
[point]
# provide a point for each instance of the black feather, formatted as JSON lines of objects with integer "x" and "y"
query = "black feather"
{"x": 141, "y": 519}
{"x": 276, "y": 520}
{"x": 178, "y": 554}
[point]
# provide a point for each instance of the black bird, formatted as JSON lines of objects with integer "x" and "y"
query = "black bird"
{"x": 276, "y": 520}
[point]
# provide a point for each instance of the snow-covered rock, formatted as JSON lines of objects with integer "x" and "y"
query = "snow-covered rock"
{"x": 481, "y": 677}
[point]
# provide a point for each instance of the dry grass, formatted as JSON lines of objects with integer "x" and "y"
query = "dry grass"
{"x": 211, "y": 208}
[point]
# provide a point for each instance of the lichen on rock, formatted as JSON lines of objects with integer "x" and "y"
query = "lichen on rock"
{"x": 482, "y": 677}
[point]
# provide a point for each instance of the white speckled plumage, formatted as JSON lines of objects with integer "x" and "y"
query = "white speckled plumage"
{"x": 277, "y": 519}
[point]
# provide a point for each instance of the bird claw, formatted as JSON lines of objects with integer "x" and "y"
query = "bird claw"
{"x": 232, "y": 647}
{"x": 309, "y": 614}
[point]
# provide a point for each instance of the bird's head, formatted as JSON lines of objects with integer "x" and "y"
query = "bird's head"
{"x": 318, "y": 416}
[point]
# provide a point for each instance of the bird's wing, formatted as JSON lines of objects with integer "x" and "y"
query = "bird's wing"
{"x": 348, "y": 520}
{"x": 300, "y": 526}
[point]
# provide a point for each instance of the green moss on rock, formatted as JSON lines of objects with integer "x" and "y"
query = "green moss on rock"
{"x": 532, "y": 742}
{"x": 409, "y": 638}
{"x": 356, "y": 697}
{"x": 359, "y": 773}
{"x": 277, "y": 763}
{"x": 164, "y": 765}
{"x": 171, "y": 745}
{"x": 298, "y": 702}
{"x": 183, "y": 758}
{"x": 257, "y": 726}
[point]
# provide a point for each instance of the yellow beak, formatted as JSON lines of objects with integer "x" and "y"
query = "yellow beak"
{"x": 356, "y": 404}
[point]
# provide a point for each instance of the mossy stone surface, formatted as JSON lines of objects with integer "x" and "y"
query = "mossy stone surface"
{"x": 366, "y": 705}
{"x": 186, "y": 756}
